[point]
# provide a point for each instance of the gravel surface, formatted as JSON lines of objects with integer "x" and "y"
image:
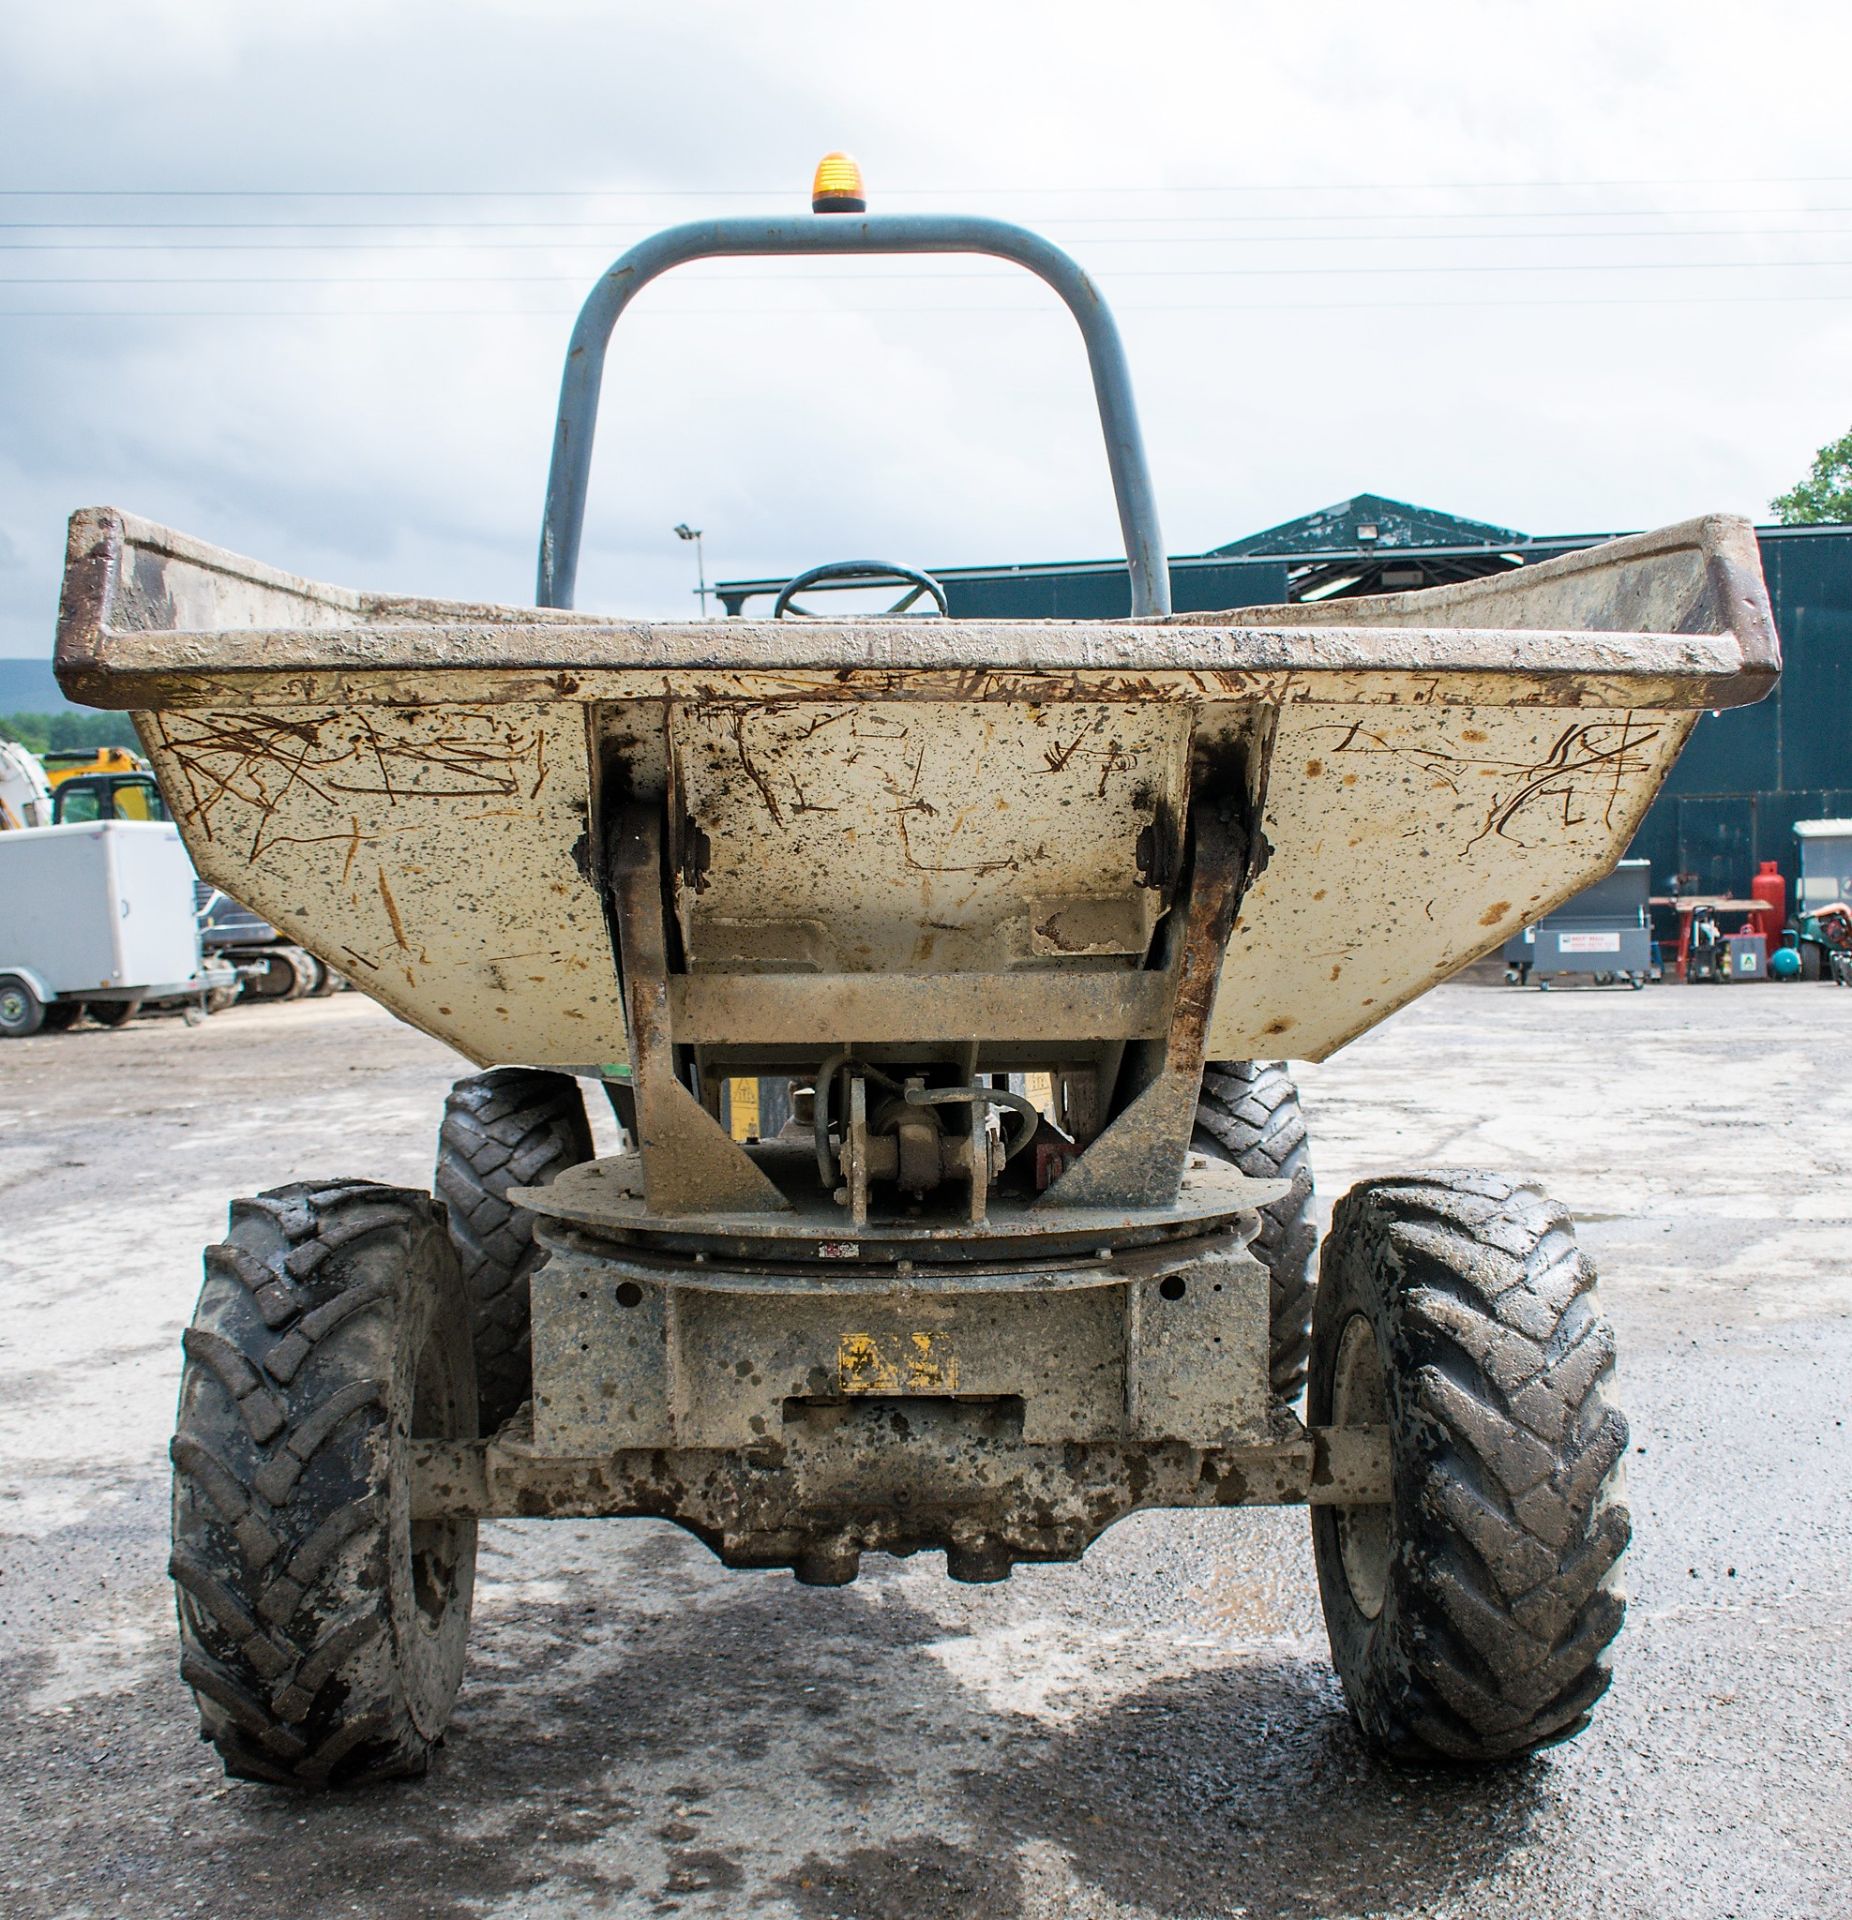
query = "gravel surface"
{"x": 1154, "y": 1733}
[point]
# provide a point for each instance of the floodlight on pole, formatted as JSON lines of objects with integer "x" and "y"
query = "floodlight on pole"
{"x": 683, "y": 531}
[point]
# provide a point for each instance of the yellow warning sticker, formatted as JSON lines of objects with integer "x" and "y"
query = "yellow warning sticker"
{"x": 896, "y": 1363}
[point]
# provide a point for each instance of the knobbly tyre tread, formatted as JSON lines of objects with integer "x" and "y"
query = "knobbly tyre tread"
{"x": 299, "y": 1629}
{"x": 1508, "y": 1502}
{"x": 1248, "y": 1114}
{"x": 509, "y": 1127}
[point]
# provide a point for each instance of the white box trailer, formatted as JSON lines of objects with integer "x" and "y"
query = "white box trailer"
{"x": 96, "y": 914}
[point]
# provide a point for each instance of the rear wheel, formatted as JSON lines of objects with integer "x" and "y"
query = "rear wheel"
{"x": 62, "y": 1015}
{"x": 114, "y": 1013}
{"x": 1813, "y": 960}
{"x": 22, "y": 1012}
{"x": 1248, "y": 1114}
{"x": 510, "y": 1127}
{"x": 1469, "y": 1617}
{"x": 322, "y": 1628}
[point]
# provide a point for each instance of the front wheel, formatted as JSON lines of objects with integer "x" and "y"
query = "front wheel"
{"x": 1470, "y": 1616}
{"x": 322, "y": 1627}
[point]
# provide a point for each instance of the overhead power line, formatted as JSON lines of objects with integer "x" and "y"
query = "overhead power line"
{"x": 1358, "y": 216}
{"x": 1022, "y": 190}
{"x": 1049, "y": 312}
{"x": 1114, "y": 240}
{"x": 867, "y": 279}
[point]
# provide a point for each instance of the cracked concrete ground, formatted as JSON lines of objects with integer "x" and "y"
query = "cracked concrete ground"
{"x": 1152, "y": 1735}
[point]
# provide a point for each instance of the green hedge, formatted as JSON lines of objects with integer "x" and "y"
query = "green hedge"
{"x": 48, "y": 732}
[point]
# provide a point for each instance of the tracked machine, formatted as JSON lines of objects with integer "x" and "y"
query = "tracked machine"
{"x": 916, "y": 867}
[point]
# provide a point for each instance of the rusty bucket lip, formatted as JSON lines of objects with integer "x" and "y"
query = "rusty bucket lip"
{"x": 425, "y": 651}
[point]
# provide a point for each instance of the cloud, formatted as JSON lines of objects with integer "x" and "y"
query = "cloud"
{"x": 321, "y": 409}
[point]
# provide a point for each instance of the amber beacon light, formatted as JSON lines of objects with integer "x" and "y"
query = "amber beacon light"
{"x": 837, "y": 187}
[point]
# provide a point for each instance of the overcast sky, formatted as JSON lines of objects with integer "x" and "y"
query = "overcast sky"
{"x": 298, "y": 280}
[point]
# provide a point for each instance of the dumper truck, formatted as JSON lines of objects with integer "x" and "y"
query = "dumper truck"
{"x": 911, "y": 865}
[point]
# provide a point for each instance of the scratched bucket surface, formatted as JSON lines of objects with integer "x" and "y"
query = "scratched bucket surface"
{"x": 412, "y": 788}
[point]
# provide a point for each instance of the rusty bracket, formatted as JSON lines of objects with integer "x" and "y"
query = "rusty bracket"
{"x": 690, "y": 1163}
{"x": 1138, "y": 1160}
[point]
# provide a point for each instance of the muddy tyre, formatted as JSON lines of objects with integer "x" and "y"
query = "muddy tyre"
{"x": 510, "y": 1127}
{"x": 322, "y": 1628}
{"x": 1248, "y": 1114}
{"x": 1470, "y": 1618}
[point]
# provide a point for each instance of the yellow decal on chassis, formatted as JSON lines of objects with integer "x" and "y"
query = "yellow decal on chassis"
{"x": 896, "y": 1363}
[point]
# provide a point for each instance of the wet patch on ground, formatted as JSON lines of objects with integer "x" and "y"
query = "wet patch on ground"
{"x": 1154, "y": 1734}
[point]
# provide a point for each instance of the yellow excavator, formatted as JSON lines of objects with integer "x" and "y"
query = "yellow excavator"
{"x": 66, "y": 763}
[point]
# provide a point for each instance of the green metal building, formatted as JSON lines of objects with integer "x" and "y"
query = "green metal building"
{"x": 1740, "y": 785}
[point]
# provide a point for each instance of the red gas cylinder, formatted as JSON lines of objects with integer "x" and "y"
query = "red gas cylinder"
{"x": 1772, "y": 890}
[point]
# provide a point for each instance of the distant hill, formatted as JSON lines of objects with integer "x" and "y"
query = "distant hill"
{"x": 27, "y": 686}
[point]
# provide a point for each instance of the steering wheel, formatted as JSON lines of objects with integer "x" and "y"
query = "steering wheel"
{"x": 915, "y": 582}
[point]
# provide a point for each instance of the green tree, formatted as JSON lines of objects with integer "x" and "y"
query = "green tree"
{"x": 1825, "y": 496}
{"x": 43, "y": 732}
